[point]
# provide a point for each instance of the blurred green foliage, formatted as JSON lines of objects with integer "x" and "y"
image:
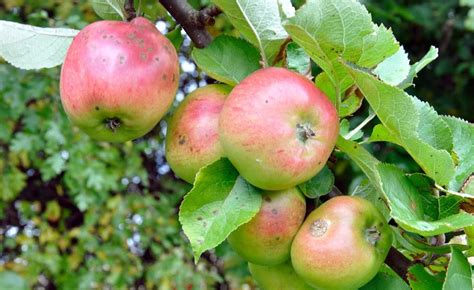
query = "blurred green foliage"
{"x": 78, "y": 214}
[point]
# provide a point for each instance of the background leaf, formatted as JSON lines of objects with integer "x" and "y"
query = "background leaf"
{"x": 30, "y": 47}
{"x": 12, "y": 281}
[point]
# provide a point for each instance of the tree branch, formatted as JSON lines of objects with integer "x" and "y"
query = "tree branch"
{"x": 399, "y": 263}
{"x": 193, "y": 22}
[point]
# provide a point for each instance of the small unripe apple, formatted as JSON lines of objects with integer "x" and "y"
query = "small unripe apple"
{"x": 266, "y": 238}
{"x": 341, "y": 245}
{"x": 279, "y": 277}
{"x": 192, "y": 139}
{"x": 119, "y": 79}
{"x": 277, "y": 128}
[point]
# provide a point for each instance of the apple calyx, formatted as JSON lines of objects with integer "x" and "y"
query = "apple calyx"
{"x": 304, "y": 132}
{"x": 372, "y": 235}
{"x": 113, "y": 124}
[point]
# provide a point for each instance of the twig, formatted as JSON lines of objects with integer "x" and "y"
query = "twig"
{"x": 130, "y": 10}
{"x": 193, "y": 22}
{"x": 398, "y": 262}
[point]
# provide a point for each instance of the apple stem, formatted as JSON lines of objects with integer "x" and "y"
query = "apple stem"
{"x": 113, "y": 124}
{"x": 130, "y": 10}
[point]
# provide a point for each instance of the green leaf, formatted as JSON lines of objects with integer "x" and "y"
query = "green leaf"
{"x": 406, "y": 204}
{"x": 367, "y": 191}
{"x": 463, "y": 138}
{"x": 227, "y": 59}
{"x": 12, "y": 281}
{"x": 323, "y": 82}
{"x": 421, "y": 279}
{"x": 297, "y": 59}
{"x": 459, "y": 274}
{"x": 30, "y": 47}
{"x": 381, "y": 134}
{"x": 319, "y": 185}
{"x": 176, "y": 37}
{"x": 345, "y": 130}
{"x": 423, "y": 133}
{"x": 366, "y": 161}
{"x": 350, "y": 104}
{"x": 332, "y": 29}
{"x": 12, "y": 181}
{"x": 386, "y": 279}
{"x": 52, "y": 166}
{"x": 394, "y": 69}
{"x": 431, "y": 55}
{"x": 219, "y": 202}
{"x": 109, "y": 9}
{"x": 259, "y": 22}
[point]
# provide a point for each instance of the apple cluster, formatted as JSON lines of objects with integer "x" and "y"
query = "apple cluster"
{"x": 276, "y": 127}
{"x": 278, "y": 130}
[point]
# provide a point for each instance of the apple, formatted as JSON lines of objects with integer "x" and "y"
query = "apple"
{"x": 192, "y": 140}
{"x": 266, "y": 238}
{"x": 277, "y": 128}
{"x": 119, "y": 79}
{"x": 280, "y": 277}
{"x": 342, "y": 244}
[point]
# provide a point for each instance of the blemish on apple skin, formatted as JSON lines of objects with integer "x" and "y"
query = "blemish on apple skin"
{"x": 274, "y": 211}
{"x": 143, "y": 56}
{"x": 157, "y": 59}
{"x": 122, "y": 59}
{"x": 97, "y": 108}
{"x": 164, "y": 77}
{"x": 318, "y": 228}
